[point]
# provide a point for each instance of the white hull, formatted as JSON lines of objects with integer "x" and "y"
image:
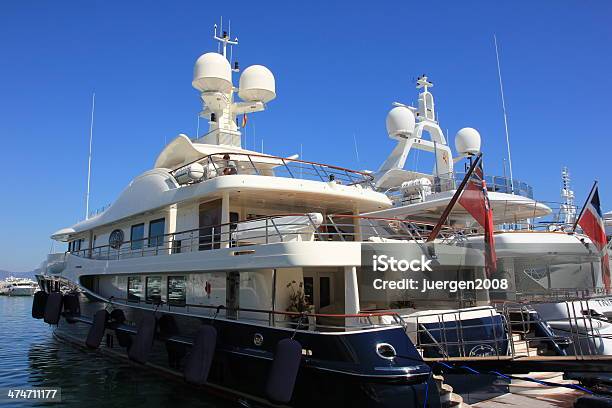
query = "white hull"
{"x": 21, "y": 291}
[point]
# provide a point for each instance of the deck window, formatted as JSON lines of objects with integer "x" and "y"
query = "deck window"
{"x": 324, "y": 291}
{"x": 156, "y": 232}
{"x": 177, "y": 291}
{"x": 136, "y": 236}
{"x": 134, "y": 289}
{"x": 153, "y": 289}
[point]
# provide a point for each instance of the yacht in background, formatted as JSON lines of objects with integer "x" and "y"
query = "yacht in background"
{"x": 547, "y": 264}
{"x": 539, "y": 257}
{"x": 13, "y": 286}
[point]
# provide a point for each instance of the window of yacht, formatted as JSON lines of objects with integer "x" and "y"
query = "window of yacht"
{"x": 309, "y": 289}
{"x": 134, "y": 288}
{"x": 75, "y": 245}
{"x": 177, "y": 291}
{"x": 324, "y": 291}
{"x": 136, "y": 236}
{"x": 156, "y": 232}
{"x": 209, "y": 220}
{"x": 153, "y": 289}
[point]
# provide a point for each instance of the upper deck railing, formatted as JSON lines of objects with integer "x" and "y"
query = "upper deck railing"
{"x": 273, "y": 229}
{"x": 449, "y": 181}
{"x": 232, "y": 163}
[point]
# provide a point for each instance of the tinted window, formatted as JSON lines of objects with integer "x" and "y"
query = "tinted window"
{"x": 134, "y": 288}
{"x": 136, "y": 236}
{"x": 324, "y": 291}
{"x": 210, "y": 217}
{"x": 176, "y": 291}
{"x": 154, "y": 289}
{"x": 156, "y": 232}
{"x": 309, "y": 289}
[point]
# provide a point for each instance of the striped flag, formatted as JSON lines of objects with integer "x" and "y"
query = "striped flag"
{"x": 476, "y": 201}
{"x": 592, "y": 224}
{"x": 244, "y": 120}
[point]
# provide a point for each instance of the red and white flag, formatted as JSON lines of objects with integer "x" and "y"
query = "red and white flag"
{"x": 476, "y": 201}
{"x": 592, "y": 224}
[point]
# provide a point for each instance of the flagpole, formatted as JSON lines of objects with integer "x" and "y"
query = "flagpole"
{"x": 585, "y": 204}
{"x": 452, "y": 202}
{"x": 93, "y": 107}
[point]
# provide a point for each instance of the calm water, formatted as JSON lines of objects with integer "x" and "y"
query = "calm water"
{"x": 31, "y": 357}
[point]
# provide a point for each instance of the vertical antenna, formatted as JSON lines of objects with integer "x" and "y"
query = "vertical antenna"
{"x": 221, "y": 32}
{"x": 501, "y": 89}
{"x": 93, "y": 107}
{"x": 198, "y": 127}
{"x": 224, "y": 40}
{"x": 356, "y": 150}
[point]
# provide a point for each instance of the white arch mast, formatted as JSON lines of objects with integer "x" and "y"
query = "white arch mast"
{"x": 425, "y": 116}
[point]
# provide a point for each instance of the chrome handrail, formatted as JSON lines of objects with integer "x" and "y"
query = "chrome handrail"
{"x": 337, "y": 228}
{"x": 331, "y": 173}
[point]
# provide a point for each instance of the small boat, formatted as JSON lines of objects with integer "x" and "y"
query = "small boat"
{"x": 18, "y": 287}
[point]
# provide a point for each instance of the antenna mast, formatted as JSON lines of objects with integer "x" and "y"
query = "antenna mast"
{"x": 568, "y": 208}
{"x": 224, "y": 40}
{"x": 501, "y": 89}
{"x": 93, "y": 107}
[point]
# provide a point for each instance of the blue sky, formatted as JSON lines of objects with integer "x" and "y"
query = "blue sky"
{"x": 338, "y": 67}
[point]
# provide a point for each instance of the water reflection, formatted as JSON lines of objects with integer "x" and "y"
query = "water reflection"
{"x": 32, "y": 357}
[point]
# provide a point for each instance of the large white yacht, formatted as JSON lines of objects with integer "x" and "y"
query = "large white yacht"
{"x": 215, "y": 263}
{"x": 543, "y": 261}
{"x": 538, "y": 258}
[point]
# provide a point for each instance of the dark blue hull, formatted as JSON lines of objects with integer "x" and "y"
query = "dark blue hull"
{"x": 339, "y": 368}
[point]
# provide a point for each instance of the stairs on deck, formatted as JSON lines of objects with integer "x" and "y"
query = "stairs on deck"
{"x": 448, "y": 399}
{"x": 521, "y": 346}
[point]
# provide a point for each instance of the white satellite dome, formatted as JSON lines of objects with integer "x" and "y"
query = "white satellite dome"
{"x": 400, "y": 121}
{"x": 212, "y": 73}
{"x": 257, "y": 84}
{"x": 467, "y": 141}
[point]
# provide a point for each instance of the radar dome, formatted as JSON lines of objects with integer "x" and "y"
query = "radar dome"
{"x": 212, "y": 73}
{"x": 467, "y": 141}
{"x": 400, "y": 121}
{"x": 257, "y": 84}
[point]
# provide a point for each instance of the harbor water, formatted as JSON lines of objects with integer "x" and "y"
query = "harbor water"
{"x": 32, "y": 357}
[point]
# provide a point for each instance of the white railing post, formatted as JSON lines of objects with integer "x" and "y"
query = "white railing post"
{"x": 225, "y": 219}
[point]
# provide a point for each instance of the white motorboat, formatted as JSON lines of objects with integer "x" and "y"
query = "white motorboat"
{"x": 13, "y": 286}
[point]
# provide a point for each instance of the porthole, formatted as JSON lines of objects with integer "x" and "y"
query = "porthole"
{"x": 386, "y": 351}
{"x": 116, "y": 239}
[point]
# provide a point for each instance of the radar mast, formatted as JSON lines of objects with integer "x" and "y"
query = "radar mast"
{"x": 213, "y": 78}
